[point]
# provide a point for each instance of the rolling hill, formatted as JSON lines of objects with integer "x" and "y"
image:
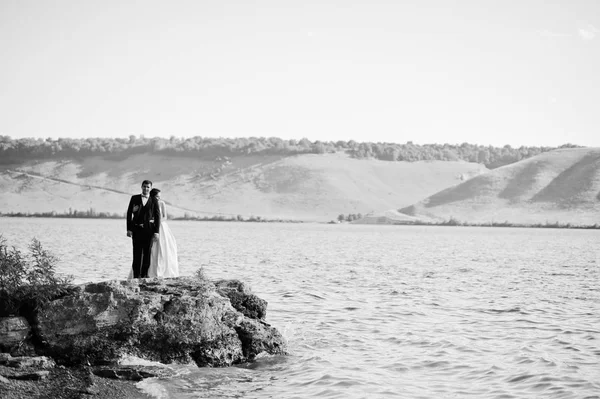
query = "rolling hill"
{"x": 310, "y": 187}
{"x": 559, "y": 186}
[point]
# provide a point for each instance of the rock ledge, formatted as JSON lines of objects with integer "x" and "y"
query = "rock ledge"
{"x": 175, "y": 320}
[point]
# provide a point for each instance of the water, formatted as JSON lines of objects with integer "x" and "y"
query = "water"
{"x": 379, "y": 311}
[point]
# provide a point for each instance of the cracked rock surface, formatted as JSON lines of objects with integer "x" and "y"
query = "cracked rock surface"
{"x": 179, "y": 320}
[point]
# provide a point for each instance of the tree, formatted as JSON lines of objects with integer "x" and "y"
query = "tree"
{"x": 318, "y": 147}
{"x": 483, "y": 157}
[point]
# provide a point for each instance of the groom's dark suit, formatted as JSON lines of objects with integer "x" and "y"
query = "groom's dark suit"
{"x": 143, "y": 222}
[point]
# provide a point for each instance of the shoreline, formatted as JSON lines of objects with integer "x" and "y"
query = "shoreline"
{"x": 555, "y": 225}
{"x": 252, "y": 219}
{"x": 499, "y": 225}
{"x": 446, "y": 223}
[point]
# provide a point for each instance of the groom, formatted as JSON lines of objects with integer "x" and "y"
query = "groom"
{"x": 143, "y": 226}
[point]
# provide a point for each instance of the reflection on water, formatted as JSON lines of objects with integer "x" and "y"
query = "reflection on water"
{"x": 380, "y": 311}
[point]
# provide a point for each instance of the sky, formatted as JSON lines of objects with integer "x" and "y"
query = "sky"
{"x": 522, "y": 72}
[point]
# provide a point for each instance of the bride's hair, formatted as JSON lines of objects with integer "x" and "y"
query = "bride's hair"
{"x": 154, "y": 192}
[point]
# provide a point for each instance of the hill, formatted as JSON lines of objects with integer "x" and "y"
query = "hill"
{"x": 312, "y": 187}
{"x": 559, "y": 186}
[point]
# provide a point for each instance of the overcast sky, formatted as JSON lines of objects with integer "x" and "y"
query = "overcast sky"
{"x": 485, "y": 72}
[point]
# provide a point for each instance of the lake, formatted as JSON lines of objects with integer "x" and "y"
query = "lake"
{"x": 379, "y": 311}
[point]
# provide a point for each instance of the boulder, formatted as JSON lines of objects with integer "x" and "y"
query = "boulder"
{"x": 13, "y": 333}
{"x": 242, "y": 299}
{"x": 179, "y": 320}
{"x": 21, "y": 362}
{"x": 32, "y": 376}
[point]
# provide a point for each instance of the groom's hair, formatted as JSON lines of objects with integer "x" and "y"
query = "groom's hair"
{"x": 147, "y": 182}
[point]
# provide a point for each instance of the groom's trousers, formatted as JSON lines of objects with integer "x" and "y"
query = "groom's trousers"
{"x": 142, "y": 246}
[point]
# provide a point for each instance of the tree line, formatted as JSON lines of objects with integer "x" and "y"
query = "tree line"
{"x": 19, "y": 150}
{"x": 91, "y": 213}
{"x": 72, "y": 213}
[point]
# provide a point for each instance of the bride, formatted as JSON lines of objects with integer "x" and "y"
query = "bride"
{"x": 163, "y": 258}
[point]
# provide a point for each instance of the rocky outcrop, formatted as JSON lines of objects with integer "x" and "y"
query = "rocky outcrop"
{"x": 178, "y": 320}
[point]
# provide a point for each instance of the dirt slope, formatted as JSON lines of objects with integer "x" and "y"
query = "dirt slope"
{"x": 303, "y": 187}
{"x": 559, "y": 186}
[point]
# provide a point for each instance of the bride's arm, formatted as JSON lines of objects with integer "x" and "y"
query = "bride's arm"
{"x": 163, "y": 210}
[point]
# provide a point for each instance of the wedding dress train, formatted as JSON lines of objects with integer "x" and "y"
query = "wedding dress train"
{"x": 163, "y": 259}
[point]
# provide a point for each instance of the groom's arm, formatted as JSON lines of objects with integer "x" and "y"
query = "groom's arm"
{"x": 130, "y": 217}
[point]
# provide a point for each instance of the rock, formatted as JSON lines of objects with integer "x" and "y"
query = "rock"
{"x": 119, "y": 374}
{"x": 177, "y": 320}
{"x": 4, "y": 380}
{"x": 242, "y": 299}
{"x": 13, "y": 333}
{"x": 5, "y": 357}
{"x": 64, "y": 383}
{"x": 123, "y": 373}
{"x": 34, "y": 376}
{"x": 91, "y": 390}
{"x": 258, "y": 338}
{"x": 40, "y": 362}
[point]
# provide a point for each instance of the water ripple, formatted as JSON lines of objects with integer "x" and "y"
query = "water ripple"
{"x": 376, "y": 312}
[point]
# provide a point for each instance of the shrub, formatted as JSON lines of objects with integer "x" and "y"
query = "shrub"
{"x": 206, "y": 284}
{"x": 28, "y": 281}
{"x": 200, "y": 274}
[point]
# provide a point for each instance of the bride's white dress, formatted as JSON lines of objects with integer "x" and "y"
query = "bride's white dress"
{"x": 163, "y": 256}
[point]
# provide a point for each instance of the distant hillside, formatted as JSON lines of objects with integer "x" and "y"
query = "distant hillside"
{"x": 304, "y": 187}
{"x": 29, "y": 149}
{"x": 558, "y": 186}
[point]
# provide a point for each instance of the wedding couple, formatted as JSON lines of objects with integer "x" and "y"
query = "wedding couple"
{"x": 154, "y": 246}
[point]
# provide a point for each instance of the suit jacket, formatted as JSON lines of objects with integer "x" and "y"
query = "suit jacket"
{"x": 148, "y": 215}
